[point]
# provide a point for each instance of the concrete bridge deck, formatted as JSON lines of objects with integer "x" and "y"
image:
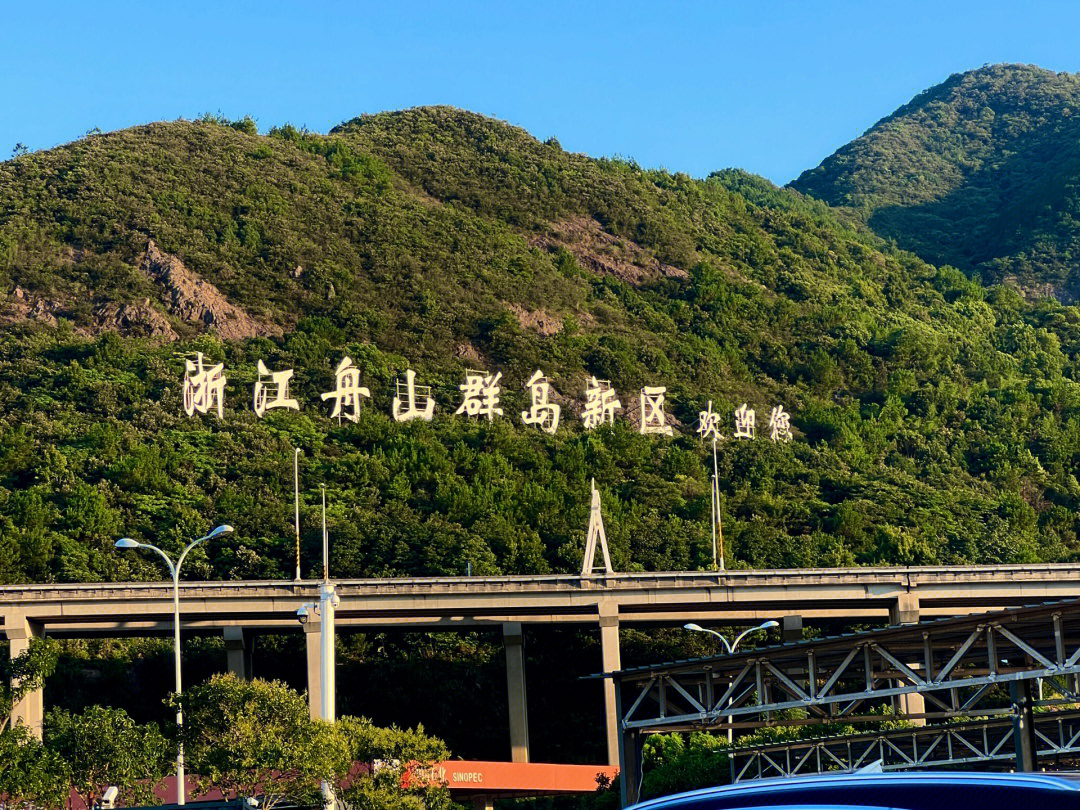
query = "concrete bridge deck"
{"x": 436, "y": 603}
{"x": 898, "y": 595}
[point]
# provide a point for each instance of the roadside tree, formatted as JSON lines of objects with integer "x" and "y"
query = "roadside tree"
{"x": 255, "y": 738}
{"x": 104, "y": 746}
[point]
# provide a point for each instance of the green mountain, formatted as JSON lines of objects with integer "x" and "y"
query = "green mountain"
{"x": 936, "y": 420}
{"x": 981, "y": 172}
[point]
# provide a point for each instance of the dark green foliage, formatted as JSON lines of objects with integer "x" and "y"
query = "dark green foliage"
{"x": 980, "y": 172}
{"x": 25, "y": 673}
{"x": 31, "y": 775}
{"x": 103, "y": 747}
{"x": 403, "y": 779}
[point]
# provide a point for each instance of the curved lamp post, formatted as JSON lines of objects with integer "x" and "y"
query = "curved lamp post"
{"x": 127, "y": 542}
{"x": 731, "y": 647}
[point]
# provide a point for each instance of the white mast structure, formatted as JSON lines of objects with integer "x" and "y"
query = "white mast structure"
{"x": 595, "y": 533}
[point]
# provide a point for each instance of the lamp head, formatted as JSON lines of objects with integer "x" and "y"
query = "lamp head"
{"x": 224, "y": 528}
{"x": 695, "y": 627}
{"x": 127, "y": 542}
{"x": 770, "y": 623}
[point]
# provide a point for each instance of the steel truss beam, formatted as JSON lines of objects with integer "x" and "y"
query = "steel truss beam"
{"x": 954, "y": 663}
{"x": 986, "y": 741}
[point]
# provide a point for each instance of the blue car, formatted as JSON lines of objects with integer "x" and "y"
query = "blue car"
{"x": 885, "y": 791}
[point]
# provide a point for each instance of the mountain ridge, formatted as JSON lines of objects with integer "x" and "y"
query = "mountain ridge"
{"x": 980, "y": 171}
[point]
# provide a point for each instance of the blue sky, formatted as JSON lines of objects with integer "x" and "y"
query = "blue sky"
{"x": 694, "y": 87}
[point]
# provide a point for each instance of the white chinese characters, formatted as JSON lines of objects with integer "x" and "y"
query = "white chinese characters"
{"x": 204, "y": 388}
{"x": 480, "y": 393}
{"x": 543, "y": 412}
{"x": 745, "y": 422}
{"x": 279, "y": 383}
{"x": 780, "y": 425}
{"x": 348, "y": 394}
{"x": 709, "y": 423}
{"x": 600, "y": 404}
{"x": 653, "y": 419}
{"x": 481, "y": 397}
{"x": 412, "y": 401}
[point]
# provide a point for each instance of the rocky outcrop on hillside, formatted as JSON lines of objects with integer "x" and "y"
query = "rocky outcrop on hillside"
{"x": 134, "y": 319}
{"x": 195, "y": 301}
{"x": 600, "y": 252}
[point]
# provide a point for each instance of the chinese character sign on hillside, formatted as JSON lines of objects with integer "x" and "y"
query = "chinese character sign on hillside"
{"x": 348, "y": 393}
{"x": 600, "y": 404}
{"x": 480, "y": 394}
{"x": 204, "y": 388}
{"x": 204, "y": 392}
{"x": 745, "y": 422}
{"x": 277, "y": 384}
{"x": 543, "y": 412}
{"x": 709, "y": 424}
{"x": 653, "y": 419}
{"x": 412, "y": 401}
{"x": 780, "y": 425}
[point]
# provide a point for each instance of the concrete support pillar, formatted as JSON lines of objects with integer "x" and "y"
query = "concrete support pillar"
{"x": 237, "y": 653}
{"x": 791, "y": 629}
{"x": 30, "y": 711}
{"x": 609, "y": 652}
{"x": 313, "y": 637}
{"x": 906, "y": 611}
{"x": 513, "y": 641}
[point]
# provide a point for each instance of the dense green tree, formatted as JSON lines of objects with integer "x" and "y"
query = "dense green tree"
{"x": 255, "y": 738}
{"x": 401, "y": 776}
{"x": 31, "y": 775}
{"x": 102, "y": 747}
{"x": 25, "y": 673}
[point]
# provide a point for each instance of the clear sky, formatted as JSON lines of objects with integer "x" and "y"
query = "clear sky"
{"x": 694, "y": 87}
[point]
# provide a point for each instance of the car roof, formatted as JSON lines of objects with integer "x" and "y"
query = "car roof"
{"x": 787, "y": 788}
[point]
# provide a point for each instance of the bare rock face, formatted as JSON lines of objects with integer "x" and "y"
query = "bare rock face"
{"x": 21, "y": 306}
{"x": 604, "y": 254}
{"x": 191, "y": 299}
{"x": 538, "y": 320}
{"x": 141, "y": 319}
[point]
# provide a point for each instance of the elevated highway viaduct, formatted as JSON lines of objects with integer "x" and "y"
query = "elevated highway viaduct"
{"x": 512, "y": 603}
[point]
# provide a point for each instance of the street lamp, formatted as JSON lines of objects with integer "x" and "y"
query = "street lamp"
{"x": 731, "y": 647}
{"x": 127, "y": 542}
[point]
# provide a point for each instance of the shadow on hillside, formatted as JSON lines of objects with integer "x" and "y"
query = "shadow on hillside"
{"x": 1013, "y": 218}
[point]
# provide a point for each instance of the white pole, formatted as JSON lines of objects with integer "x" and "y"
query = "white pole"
{"x": 296, "y": 484}
{"x": 180, "y": 777}
{"x": 712, "y": 499}
{"x": 327, "y": 600}
{"x": 326, "y": 607}
{"x": 718, "y": 528}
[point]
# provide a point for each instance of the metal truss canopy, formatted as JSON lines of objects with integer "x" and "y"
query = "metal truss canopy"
{"x": 1057, "y": 735}
{"x": 953, "y": 663}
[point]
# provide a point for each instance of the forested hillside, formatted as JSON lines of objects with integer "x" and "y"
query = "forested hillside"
{"x": 936, "y": 420}
{"x": 981, "y": 172}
